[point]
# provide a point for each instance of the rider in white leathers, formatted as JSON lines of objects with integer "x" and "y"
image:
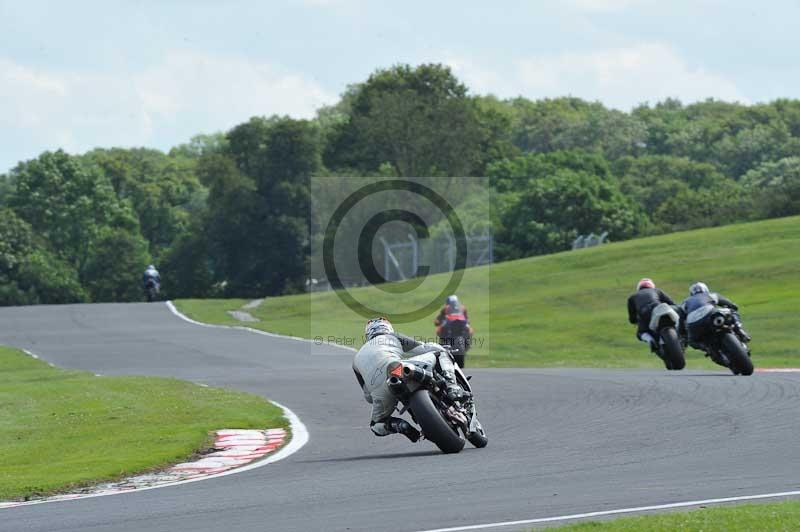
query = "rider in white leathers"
{"x": 382, "y": 347}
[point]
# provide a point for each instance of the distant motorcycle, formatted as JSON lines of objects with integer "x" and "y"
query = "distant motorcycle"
{"x": 725, "y": 347}
{"x": 420, "y": 386}
{"x": 151, "y": 290}
{"x": 664, "y": 323}
{"x": 455, "y": 334}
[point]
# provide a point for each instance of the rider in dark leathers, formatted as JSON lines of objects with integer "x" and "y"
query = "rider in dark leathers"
{"x": 453, "y": 311}
{"x": 640, "y": 307}
{"x": 697, "y": 308}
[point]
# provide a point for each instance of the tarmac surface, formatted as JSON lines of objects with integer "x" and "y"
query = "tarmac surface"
{"x": 561, "y": 441}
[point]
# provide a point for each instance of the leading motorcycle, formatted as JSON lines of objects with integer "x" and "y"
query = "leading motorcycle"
{"x": 455, "y": 334}
{"x": 151, "y": 290}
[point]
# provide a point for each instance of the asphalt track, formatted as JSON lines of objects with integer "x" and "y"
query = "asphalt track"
{"x": 562, "y": 441}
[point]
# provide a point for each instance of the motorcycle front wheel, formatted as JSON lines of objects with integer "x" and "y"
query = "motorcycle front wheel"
{"x": 460, "y": 352}
{"x": 737, "y": 355}
{"x": 433, "y": 425}
{"x": 478, "y": 439}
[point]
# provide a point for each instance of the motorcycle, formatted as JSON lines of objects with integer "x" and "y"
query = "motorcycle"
{"x": 664, "y": 323}
{"x": 420, "y": 386}
{"x": 455, "y": 335}
{"x": 725, "y": 346}
{"x": 151, "y": 290}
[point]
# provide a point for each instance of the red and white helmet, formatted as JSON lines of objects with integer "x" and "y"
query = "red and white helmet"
{"x": 645, "y": 283}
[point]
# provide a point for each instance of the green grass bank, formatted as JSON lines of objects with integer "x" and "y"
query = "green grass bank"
{"x": 568, "y": 309}
{"x": 62, "y": 429}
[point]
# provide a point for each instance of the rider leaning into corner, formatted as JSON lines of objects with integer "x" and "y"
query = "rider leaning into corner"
{"x": 382, "y": 347}
{"x": 640, "y": 307}
{"x": 697, "y": 308}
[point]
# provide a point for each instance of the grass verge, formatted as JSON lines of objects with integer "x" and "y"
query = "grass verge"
{"x": 745, "y": 518}
{"x": 61, "y": 429}
{"x": 569, "y": 309}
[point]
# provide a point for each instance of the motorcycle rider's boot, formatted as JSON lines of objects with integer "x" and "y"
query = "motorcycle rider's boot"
{"x": 742, "y": 334}
{"x": 648, "y": 338}
{"x": 401, "y": 426}
{"x": 454, "y": 391}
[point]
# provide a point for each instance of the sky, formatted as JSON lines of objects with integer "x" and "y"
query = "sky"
{"x": 83, "y": 74}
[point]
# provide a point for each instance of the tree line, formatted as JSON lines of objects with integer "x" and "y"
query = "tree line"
{"x": 227, "y": 214}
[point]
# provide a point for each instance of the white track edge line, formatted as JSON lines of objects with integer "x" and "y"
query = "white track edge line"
{"x": 299, "y": 437}
{"x": 186, "y": 318}
{"x": 616, "y": 512}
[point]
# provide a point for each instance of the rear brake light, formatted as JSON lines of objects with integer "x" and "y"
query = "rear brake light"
{"x": 396, "y": 370}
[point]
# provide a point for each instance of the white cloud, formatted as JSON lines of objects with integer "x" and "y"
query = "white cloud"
{"x": 184, "y": 94}
{"x": 224, "y": 89}
{"x": 619, "y": 77}
{"x": 623, "y": 77}
{"x": 606, "y": 5}
{"x": 479, "y": 79}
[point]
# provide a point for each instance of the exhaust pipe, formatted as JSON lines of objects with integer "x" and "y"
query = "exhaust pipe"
{"x": 418, "y": 374}
{"x": 396, "y": 386}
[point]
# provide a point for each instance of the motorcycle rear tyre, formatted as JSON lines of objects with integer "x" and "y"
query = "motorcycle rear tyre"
{"x": 433, "y": 425}
{"x": 673, "y": 352}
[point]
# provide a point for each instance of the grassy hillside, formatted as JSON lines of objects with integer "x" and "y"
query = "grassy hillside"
{"x": 568, "y": 309}
{"x": 62, "y": 429}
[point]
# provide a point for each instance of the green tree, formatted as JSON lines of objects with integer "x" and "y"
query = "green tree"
{"x": 200, "y": 145}
{"x": 552, "y": 211}
{"x": 164, "y": 190}
{"x": 651, "y": 180}
{"x": 749, "y": 147}
{"x": 571, "y": 123}
{"x": 726, "y": 203}
{"x": 419, "y": 120}
{"x": 188, "y": 268}
{"x": 775, "y": 187}
{"x": 113, "y": 271}
{"x": 29, "y": 273}
{"x": 495, "y": 118}
{"x": 68, "y": 204}
{"x": 258, "y": 207}
{"x": 516, "y": 174}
